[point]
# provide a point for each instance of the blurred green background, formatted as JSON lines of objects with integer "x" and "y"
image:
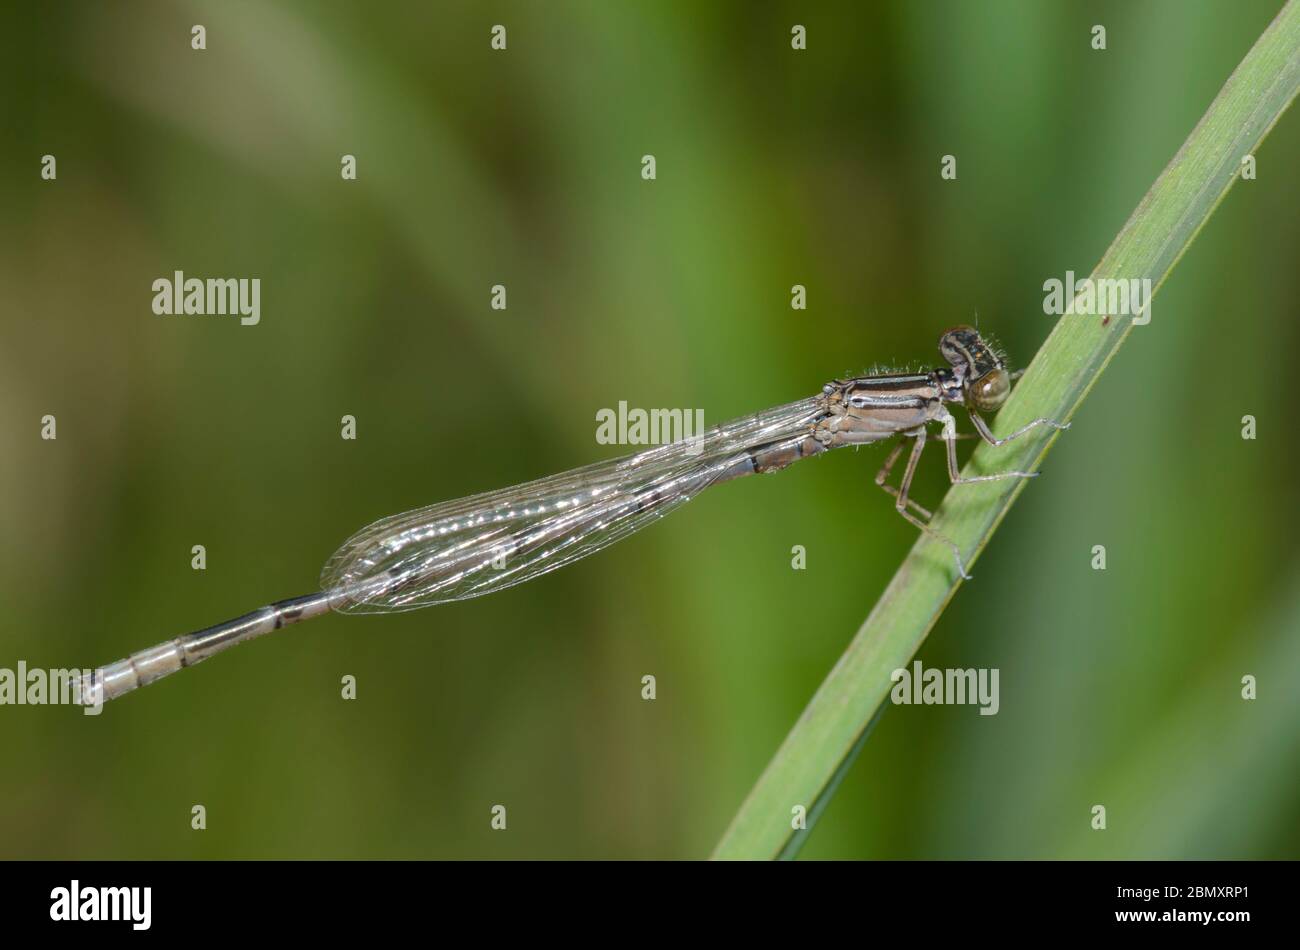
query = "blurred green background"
{"x": 523, "y": 168}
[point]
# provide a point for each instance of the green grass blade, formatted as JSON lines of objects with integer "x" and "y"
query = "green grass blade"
{"x": 822, "y": 743}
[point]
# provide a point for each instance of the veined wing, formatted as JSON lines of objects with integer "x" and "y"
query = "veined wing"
{"x": 477, "y": 545}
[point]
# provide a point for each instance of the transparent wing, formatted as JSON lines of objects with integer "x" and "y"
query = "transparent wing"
{"x": 481, "y": 544}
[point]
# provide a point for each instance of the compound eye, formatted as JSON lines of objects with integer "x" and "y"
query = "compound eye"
{"x": 990, "y": 391}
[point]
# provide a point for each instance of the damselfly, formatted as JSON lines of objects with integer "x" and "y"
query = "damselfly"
{"x": 478, "y": 545}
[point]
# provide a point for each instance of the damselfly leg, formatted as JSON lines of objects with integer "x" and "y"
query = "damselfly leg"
{"x": 986, "y": 433}
{"x": 954, "y": 471}
{"x": 882, "y": 479}
{"x": 902, "y": 500}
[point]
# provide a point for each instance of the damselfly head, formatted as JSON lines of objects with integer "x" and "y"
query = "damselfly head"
{"x": 986, "y": 384}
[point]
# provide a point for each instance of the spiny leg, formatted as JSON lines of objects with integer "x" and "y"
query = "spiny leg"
{"x": 950, "y": 430}
{"x": 954, "y": 471}
{"x": 901, "y": 500}
{"x": 986, "y": 433}
{"x": 882, "y": 476}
